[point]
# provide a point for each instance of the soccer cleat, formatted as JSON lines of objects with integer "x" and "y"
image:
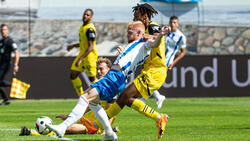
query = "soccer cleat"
{"x": 24, "y": 131}
{"x": 160, "y": 101}
{"x": 112, "y": 137}
{"x": 56, "y": 129}
{"x": 89, "y": 125}
{"x": 161, "y": 124}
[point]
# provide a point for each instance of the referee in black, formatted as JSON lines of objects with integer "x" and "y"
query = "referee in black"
{"x": 7, "y": 46}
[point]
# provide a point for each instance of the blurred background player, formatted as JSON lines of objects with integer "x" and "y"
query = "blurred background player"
{"x": 7, "y": 46}
{"x": 174, "y": 41}
{"x": 87, "y": 57}
{"x": 144, "y": 13}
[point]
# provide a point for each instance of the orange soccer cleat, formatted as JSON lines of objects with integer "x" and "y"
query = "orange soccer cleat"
{"x": 161, "y": 124}
{"x": 89, "y": 125}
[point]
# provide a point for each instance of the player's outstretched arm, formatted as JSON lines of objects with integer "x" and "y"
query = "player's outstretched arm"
{"x": 164, "y": 30}
{"x": 69, "y": 47}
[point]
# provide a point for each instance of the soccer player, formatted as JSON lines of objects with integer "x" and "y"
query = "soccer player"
{"x": 103, "y": 66}
{"x": 144, "y": 13}
{"x": 7, "y": 45}
{"x": 87, "y": 57}
{"x": 174, "y": 41}
{"x": 152, "y": 75}
{"x": 112, "y": 83}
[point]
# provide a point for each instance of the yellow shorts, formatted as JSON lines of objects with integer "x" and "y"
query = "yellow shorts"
{"x": 150, "y": 79}
{"x": 86, "y": 66}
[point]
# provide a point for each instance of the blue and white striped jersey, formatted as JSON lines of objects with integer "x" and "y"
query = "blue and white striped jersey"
{"x": 173, "y": 42}
{"x": 132, "y": 56}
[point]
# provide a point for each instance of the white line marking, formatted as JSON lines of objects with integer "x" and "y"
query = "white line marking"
{"x": 9, "y": 129}
{"x": 63, "y": 138}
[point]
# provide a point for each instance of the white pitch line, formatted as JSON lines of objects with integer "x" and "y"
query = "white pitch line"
{"x": 53, "y": 136}
{"x": 10, "y": 129}
{"x": 63, "y": 138}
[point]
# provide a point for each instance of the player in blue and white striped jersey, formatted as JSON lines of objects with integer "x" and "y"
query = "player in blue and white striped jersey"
{"x": 112, "y": 83}
{"x": 174, "y": 41}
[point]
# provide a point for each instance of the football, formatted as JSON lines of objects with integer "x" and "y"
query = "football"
{"x": 40, "y": 125}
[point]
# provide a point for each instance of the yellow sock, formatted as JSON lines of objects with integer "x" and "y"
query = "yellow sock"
{"x": 104, "y": 104}
{"x": 113, "y": 110}
{"x": 141, "y": 107}
{"x": 77, "y": 83}
{"x": 34, "y": 133}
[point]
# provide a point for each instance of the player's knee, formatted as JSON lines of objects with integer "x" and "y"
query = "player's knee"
{"x": 130, "y": 101}
{"x": 73, "y": 76}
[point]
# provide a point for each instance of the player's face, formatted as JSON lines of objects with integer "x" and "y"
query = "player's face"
{"x": 4, "y": 31}
{"x": 87, "y": 16}
{"x": 131, "y": 34}
{"x": 174, "y": 24}
{"x": 137, "y": 16}
{"x": 102, "y": 70}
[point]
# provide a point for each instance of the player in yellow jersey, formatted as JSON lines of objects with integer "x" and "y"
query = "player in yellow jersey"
{"x": 87, "y": 57}
{"x": 151, "y": 78}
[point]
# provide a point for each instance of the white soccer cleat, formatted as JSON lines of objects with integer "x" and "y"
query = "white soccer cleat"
{"x": 112, "y": 137}
{"x": 60, "y": 131}
{"x": 160, "y": 101}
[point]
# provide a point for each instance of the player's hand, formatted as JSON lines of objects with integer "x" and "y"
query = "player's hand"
{"x": 69, "y": 47}
{"x": 165, "y": 30}
{"x": 78, "y": 62}
{"x": 15, "y": 69}
{"x": 62, "y": 117}
{"x": 119, "y": 49}
{"x": 171, "y": 66}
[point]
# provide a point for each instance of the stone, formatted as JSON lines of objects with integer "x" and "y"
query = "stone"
{"x": 203, "y": 35}
{"x": 231, "y": 49}
{"x": 248, "y": 49}
{"x": 209, "y": 41}
{"x": 239, "y": 41}
{"x": 216, "y": 44}
{"x": 227, "y": 41}
{"x": 232, "y": 31}
{"x": 246, "y": 34}
{"x": 219, "y": 33}
{"x": 206, "y": 51}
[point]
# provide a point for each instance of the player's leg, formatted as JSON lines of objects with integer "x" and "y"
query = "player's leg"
{"x": 4, "y": 83}
{"x": 76, "y": 129}
{"x": 103, "y": 118}
{"x": 91, "y": 71}
{"x": 76, "y": 113}
{"x": 159, "y": 98}
{"x": 76, "y": 81}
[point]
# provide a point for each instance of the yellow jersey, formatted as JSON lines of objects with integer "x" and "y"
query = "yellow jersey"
{"x": 92, "y": 56}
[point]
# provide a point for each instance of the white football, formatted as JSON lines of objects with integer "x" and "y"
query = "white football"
{"x": 40, "y": 125}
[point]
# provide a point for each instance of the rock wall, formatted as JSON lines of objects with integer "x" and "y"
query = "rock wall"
{"x": 51, "y": 37}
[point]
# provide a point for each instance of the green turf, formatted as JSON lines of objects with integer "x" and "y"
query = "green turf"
{"x": 198, "y": 119}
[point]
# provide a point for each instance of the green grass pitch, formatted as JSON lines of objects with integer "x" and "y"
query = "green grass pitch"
{"x": 191, "y": 119}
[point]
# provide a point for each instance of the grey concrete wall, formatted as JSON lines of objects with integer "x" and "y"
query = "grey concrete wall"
{"x": 51, "y": 37}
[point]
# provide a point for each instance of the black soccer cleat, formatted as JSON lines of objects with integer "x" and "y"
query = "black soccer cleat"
{"x": 24, "y": 131}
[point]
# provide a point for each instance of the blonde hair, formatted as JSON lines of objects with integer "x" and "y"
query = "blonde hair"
{"x": 138, "y": 25}
{"x": 104, "y": 60}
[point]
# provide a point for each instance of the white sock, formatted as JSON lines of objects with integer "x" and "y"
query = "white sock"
{"x": 76, "y": 113}
{"x": 143, "y": 99}
{"x": 156, "y": 94}
{"x": 102, "y": 117}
